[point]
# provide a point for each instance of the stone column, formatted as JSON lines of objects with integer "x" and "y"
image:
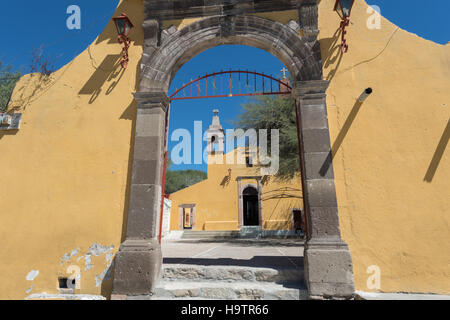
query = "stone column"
{"x": 138, "y": 262}
{"x": 328, "y": 262}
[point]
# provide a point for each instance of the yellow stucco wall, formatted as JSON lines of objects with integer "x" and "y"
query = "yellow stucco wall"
{"x": 216, "y": 198}
{"x": 389, "y": 214}
{"x": 65, "y": 174}
{"x": 66, "y": 171}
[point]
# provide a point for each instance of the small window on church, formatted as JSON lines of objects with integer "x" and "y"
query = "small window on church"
{"x": 248, "y": 162}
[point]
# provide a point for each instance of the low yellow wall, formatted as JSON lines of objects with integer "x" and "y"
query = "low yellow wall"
{"x": 278, "y": 225}
{"x": 394, "y": 208}
{"x": 65, "y": 180}
{"x": 220, "y": 225}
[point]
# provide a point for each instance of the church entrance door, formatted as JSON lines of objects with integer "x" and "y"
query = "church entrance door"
{"x": 251, "y": 210}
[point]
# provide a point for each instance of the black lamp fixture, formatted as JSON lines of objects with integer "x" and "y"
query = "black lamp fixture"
{"x": 123, "y": 25}
{"x": 344, "y": 7}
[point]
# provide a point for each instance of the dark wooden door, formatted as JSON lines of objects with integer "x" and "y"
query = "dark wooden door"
{"x": 251, "y": 207}
{"x": 298, "y": 220}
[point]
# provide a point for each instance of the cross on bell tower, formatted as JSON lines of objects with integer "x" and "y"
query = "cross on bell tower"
{"x": 285, "y": 84}
{"x": 284, "y": 71}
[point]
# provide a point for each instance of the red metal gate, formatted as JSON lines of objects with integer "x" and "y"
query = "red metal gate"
{"x": 232, "y": 83}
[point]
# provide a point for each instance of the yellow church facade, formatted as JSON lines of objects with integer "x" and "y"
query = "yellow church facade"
{"x": 236, "y": 195}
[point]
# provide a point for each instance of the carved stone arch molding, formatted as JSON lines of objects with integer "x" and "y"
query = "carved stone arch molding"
{"x": 328, "y": 263}
{"x": 161, "y": 63}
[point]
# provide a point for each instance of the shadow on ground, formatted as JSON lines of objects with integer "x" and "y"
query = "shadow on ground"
{"x": 255, "y": 262}
{"x": 249, "y": 242}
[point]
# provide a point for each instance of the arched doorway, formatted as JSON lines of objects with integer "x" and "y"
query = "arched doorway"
{"x": 328, "y": 262}
{"x": 251, "y": 206}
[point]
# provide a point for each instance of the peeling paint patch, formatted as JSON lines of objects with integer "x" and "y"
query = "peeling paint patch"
{"x": 105, "y": 275}
{"x": 29, "y": 289}
{"x": 68, "y": 257}
{"x": 87, "y": 262}
{"x": 96, "y": 250}
{"x": 32, "y": 275}
{"x": 109, "y": 257}
{"x": 74, "y": 252}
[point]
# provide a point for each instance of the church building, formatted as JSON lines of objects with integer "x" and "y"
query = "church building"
{"x": 236, "y": 195}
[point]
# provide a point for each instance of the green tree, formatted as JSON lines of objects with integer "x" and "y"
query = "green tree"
{"x": 8, "y": 81}
{"x": 275, "y": 113}
{"x": 177, "y": 180}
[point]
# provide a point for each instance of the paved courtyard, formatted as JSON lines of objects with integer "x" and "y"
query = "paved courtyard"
{"x": 264, "y": 253}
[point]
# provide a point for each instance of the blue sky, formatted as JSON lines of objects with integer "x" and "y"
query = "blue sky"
{"x": 43, "y": 23}
{"x": 185, "y": 112}
{"x": 32, "y": 24}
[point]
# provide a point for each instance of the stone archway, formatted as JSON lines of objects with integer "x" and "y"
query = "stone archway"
{"x": 161, "y": 63}
{"x": 328, "y": 263}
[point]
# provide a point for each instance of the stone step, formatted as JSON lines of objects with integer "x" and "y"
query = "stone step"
{"x": 187, "y": 272}
{"x": 223, "y": 290}
{"x": 244, "y": 233}
{"x": 61, "y": 296}
{"x": 189, "y": 234}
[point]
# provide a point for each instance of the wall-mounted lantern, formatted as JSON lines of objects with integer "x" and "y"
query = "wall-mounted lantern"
{"x": 344, "y": 7}
{"x": 123, "y": 25}
{"x": 10, "y": 121}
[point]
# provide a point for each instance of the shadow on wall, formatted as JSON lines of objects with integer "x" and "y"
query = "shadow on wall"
{"x": 331, "y": 53}
{"x": 226, "y": 180}
{"x": 106, "y": 286}
{"x": 129, "y": 114}
{"x": 442, "y": 145}
{"x": 8, "y": 133}
{"x": 340, "y": 138}
{"x": 286, "y": 206}
{"x": 110, "y": 69}
{"x": 282, "y": 193}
